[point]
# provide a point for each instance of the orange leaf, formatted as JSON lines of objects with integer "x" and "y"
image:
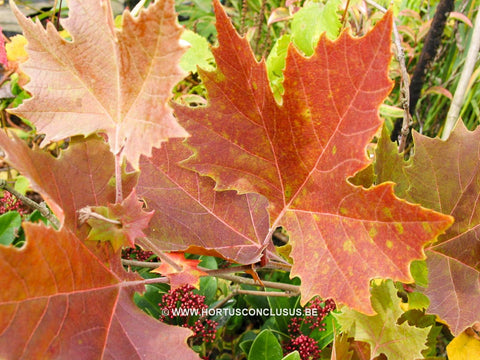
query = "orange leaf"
{"x": 299, "y": 155}
{"x": 189, "y": 272}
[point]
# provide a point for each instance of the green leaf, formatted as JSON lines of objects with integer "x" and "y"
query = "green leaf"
{"x": 198, "y": 54}
{"x": 9, "y": 225}
{"x": 265, "y": 347}
{"x": 292, "y": 356}
{"x": 381, "y": 331}
{"x": 276, "y": 64}
{"x": 313, "y": 20}
{"x": 21, "y": 184}
{"x": 419, "y": 271}
{"x": 278, "y": 304}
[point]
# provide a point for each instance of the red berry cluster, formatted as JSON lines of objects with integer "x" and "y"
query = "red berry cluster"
{"x": 323, "y": 308}
{"x": 184, "y": 298}
{"x": 306, "y": 346}
{"x": 10, "y": 203}
{"x": 137, "y": 254}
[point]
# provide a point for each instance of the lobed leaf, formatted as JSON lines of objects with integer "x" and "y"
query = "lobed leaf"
{"x": 381, "y": 331}
{"x": 190, "y": 214}
{"x": 117, "y": 82}
{"x": 50, "y": 308}
{"x": 299, "y": 154}
{"x": 445, "y": 176}
{"x": 79, "y": 177}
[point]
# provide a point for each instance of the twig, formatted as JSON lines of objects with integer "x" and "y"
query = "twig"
{"x": 224, "y": 300}
{"x": 274, "y": 285}
{"x": 157, "y": 251}
{"x": 226, "y": 275}
{"x": 405, "y": 88}
{"x": 42, "y": 208}
{"x": 143, "y": 264}
{"x": 265, "y": 293}
{"x": 459, "y": 95}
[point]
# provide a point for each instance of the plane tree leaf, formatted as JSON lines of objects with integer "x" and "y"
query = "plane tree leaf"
{"x": 298, "y": 154}
{"x": 190, "y": 214}
{"x": 81, "y": 176}
{"x": 120, "y": 224}
{"x": 114, "y": 81}
{"x": 445, "y": 176}
{"x": 381, "y": 331}
{"x": 50, "y": 308}
{"x": 185, "y": 272}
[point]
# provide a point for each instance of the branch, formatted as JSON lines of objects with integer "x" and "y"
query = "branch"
{"x": 281, "y": 286}
{"x": 225, "y": 274}
{"x": 405, "y": 87}
{"x": 459, "y": 95}
{"x": 42, "y": 207}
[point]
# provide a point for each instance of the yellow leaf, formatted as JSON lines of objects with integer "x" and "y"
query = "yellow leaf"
{"x": 464, "y": 347}
{"x": 16, "y": 49}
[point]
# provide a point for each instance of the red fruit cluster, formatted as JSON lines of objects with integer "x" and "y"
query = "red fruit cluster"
{"x": 323, "y": 308}
{"x": 185, "y": 299}
{"x": 137, "y": 254}
{"x": 10, "y": 203}
{"x": 306, "y": 347}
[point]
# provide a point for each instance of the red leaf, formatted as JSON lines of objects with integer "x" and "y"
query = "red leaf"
{"x": 50, "y": 308}
{"x": 189, "y": 273}
{"x": 79, "y": 177}
{"x": 300, "y": 153}
{"x": 118, "y": 82}
{"x": 190, "y": 215}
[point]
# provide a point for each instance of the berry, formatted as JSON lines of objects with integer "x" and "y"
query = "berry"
{"x": 306, "y": 346}
{"x": 137, "y": 254}
{"x": 184, "y": 298}
{"x": 10, "y": 203}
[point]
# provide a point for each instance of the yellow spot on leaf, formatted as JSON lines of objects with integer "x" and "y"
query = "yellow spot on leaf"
{"x": 399, "y": 228}
{"x": 389, "y": 244}
{"x": 334, "y": 149}
{"x": 372, "y": 232}
{"x": 426, "y": 226}
{"x": 348, "y": 247}
{"x": 343, "y": 211}
{"x": 387, "y": 212}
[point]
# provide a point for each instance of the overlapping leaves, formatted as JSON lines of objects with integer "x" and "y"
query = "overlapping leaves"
{"x": 445, "y": 176}
{"x": 298, "y": 154}
{"x": 117, "y": 82}
{"x": 56, "y": 284}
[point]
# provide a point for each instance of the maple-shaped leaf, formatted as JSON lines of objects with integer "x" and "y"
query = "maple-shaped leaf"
{"x": 79, "y": 177}
{"x": 185, "y": 272}
{"x": 445, "y": 176}
{"x": 120, "y": 224}
{"x": 61, "y": 301}
{"x": 381, "y": 331}
{"x": 117, "y": 82}
{"x": 299, "y": 154}
{"x": 190, "y": 214}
